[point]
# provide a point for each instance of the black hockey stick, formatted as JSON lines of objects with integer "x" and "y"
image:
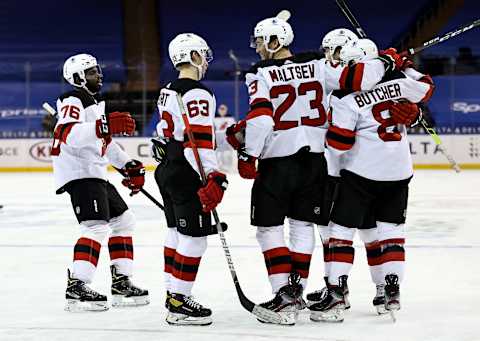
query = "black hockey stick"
{"x": 262, "y": 313}
{"x": 48, "y": 108}
{"x": 428, "y": 129}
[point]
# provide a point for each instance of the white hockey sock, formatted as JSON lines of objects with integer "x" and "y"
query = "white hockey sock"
{"x": 171, "y": 242}
{"x": 392, "y": 241}
{"x": 324, "y": 232}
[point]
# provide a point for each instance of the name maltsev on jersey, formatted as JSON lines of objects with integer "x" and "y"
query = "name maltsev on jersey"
{"x": 378, "y": 94}
{"x": 287, "y": 73}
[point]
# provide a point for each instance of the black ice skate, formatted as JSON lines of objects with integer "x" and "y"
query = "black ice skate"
{"x": 167, "y": 299}
{"x": 124, "y": 293}
{"x": 183, "y": 310}
{"x": 392, "y": 292}
{"x": 286, "y": 301}
{"x": 332, "y": 306}
{"x": 379, "y": 300}
{"x": 81, "y": 298}
{"x": 319, "y": 295}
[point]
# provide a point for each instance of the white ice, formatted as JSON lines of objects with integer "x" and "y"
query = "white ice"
{"x": 440, "y": 295}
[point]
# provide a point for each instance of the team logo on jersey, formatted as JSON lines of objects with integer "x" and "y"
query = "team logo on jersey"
{"x": 182, "y": 222}
{"x": 316, "y": 210}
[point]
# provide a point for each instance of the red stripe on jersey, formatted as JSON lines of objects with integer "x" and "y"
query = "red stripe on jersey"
{"x": 63, "y": 130}
{"x": 167, "y": 117}
{"x": 357, "y": 77}
{"x": 342, "y": 131}
{"x": 259, "y": 112}
{"x": 340, "y": 138}
{"x": 428, "y": 95}
{"x": 202, "y": 135}
{"x": 199, "y": 144}
{"x": 343, "y": 77}
{"x": 258, "y": 100}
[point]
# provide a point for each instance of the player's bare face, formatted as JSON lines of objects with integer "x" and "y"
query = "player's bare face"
{"x": 260, "y": 49}
{"x": 94, "y": 77}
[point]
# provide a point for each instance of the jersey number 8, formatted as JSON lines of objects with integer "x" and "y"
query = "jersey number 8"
{"x": 292, "y": 93}
{"x": 393, "y": 134}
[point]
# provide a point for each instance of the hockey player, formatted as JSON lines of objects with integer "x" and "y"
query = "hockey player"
{"x": 187, "y": 202}
{"x": 285, "y": 130}
{"x": 82, "y": 149}
{"x": 224, "y": 151}
{"x": 368, "y": 130}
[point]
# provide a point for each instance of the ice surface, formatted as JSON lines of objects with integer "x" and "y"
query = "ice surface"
{"x": 440, "y": 295}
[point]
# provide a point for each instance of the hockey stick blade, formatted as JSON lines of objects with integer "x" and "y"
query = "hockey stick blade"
{"x": 255, "y": 309}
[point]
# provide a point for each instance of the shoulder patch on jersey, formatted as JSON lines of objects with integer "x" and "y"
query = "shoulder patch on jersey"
{"x": 183, "y": 85}
{"x": 390, "y": 76}
{"x": 86, "y": 99}
{"x": 302, "y": 57}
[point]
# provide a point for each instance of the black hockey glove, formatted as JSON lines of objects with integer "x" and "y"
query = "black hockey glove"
{"x": 159, "y": 150}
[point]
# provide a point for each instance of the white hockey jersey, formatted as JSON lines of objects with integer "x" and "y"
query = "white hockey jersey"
{"x": 288, "y": 101}
{"x": 365, "y": 136}
{"x": 200, "y": 105}
{"x": 77, "y": 152}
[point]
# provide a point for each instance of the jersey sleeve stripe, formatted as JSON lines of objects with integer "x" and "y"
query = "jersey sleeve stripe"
{"x": 260, "y": 102}
{"x": 351, "y": 77}
{"x": 63, "y": 130}
{"x": 259, "y": 112}
{"x": 358, "y": 76}
{"x": 339, "y": 138}
{"x": 203, "y": 137}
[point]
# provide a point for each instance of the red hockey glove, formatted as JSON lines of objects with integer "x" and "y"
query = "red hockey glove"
{"x": 404, "y": 113}
{"x": 235, "y": 134}
{"x": 212, "y": 193}
{"x": 394, "y": 61}
{"x": 115, "y": 123}
{"x": 246, "y": 165}
{"x": 134, "y": 173}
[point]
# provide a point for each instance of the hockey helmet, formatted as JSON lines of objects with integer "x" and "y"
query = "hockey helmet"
{"x": 75, "y": 66}
{"x": 268, "y": 28}
{"x": 356, "y": 51}
{"x": 337, "y": 38}
{"x": 181, "y": 47}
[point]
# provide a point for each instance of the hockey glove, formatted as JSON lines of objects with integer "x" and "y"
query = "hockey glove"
{"x": 235, "y": 134}
{"x": 404, "y": 113}
{"x": 246, "y": 165}
{"x": 212, "y": 193}
{"x": 134, "y": 173}
{"x": 393, "y": 61}
{"x": 115, "y": 123}
{"x": 159, "y": 150}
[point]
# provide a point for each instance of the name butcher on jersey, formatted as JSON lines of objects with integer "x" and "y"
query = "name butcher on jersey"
{"x": 378, "y": 94}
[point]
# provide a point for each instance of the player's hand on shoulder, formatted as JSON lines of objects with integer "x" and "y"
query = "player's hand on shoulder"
{"x": 393, "y": 60}
{"x": 405, "y": 113}
{"x": 246, "y": 164}
{"x": 235, "y": 134}
{"x": 115, "y": 123}
{"x": 134, "y": 173}
{"x": 212, "y": 193}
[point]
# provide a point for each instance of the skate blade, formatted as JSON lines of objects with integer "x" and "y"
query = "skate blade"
{"x": 120, "y": 301}
{"x": 75, "y": 306}
{"x": 335, "y": 316}
{"x": 185, "y": 320}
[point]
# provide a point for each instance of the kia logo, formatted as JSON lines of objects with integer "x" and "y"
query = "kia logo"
{"x": 41, "y": 151}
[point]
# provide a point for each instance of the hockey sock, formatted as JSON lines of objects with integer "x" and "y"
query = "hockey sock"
{"x": 374, "y": 253}
{"x": 171, "y": 242}
{"x": 276, "y": 254}
{"x": 392, "y": 241}
{"x": 121, "y": 254}
{"x": 302, "y": 244}
{"x": 186, "y": 262}
{"x": 85, "y": 259}
{"x": 341, "y": 251}
{"x": 324, "y": 232}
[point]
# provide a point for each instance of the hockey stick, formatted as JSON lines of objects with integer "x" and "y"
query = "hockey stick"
{"x": 260, "y": 312}
{"x": 48, "y": 108}
{"x": 429, "y": 130}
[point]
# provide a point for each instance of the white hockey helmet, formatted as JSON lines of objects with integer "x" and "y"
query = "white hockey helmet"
{"x": 337, "y": 38}
{"x": 356, "y": 51}
{"x": 271, "y": 27}
{"x": 181, "y": 47}
{"x": 75, "y": 66}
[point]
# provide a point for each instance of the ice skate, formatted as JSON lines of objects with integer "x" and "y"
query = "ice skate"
{"x": 392, "y": 293}
{"x": 183, "y": 310}
{"x": 124, "y": 293}
{"x": 81, "y": 298}
{"x": 332, "y": 307}
{"x": 319, "y": 295}
{"x": 286, "y": 301}
{"x": 379, "y": 300}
